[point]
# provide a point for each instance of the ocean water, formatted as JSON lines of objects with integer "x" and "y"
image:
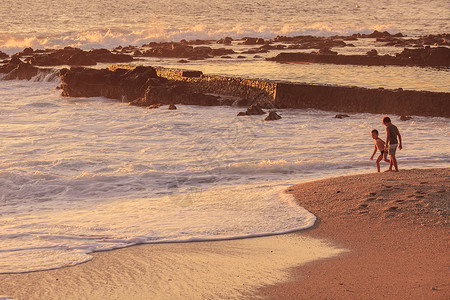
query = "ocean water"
{"x": 79, "y": 175}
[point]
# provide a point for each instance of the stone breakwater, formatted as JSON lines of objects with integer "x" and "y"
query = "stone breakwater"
{"x": 149, "y": 87}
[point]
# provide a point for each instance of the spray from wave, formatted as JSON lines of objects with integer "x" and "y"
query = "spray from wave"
{"x": 111, "y": 38}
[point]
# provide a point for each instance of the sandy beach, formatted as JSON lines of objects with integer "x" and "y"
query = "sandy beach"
{"x": 377, "y": 236}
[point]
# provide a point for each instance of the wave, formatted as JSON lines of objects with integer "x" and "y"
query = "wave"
{"x": 47, "y": 75}
{"x": 111, "y": 38}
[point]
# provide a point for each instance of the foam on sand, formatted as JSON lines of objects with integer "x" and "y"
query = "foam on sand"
{"x": 204, "y": 270}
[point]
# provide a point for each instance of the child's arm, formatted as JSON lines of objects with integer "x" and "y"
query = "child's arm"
{"x": 374, "y": 151}
{"x": 399, "y": 140}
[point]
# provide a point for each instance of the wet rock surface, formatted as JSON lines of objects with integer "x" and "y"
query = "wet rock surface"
{"x": 144, "y": 86}
{"x": 439, "y": 56}
{"x": 16, "y": 69}
{"x": 273, "y": 116}
{"x": 71, "y": 57}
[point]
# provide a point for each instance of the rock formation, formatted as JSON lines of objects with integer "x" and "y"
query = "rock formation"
{"x": 75, "y": 57}
{"x": 145, "y": 86}
{"x": 254, "y": 109}
{"x": 272, "y": 116}
{"x": 439, "y": 56}
{"x": 16, "y": 69}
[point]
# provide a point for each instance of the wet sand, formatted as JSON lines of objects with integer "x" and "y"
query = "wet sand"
{"x": 378, "y": 236}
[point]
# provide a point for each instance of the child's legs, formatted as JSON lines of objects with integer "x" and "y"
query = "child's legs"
{"x": 378, "y": 162}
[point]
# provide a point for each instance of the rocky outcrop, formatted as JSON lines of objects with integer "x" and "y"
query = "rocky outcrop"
{"x": 76, "y": 57}
{"x": 183, "y": 50}
{"x": 427, "y": 56}
{"x": 140, "y": 86}
{"x": 254, "y": 109}
{"x": 145, "y": 86}
{"x": 3, "y": 55}
{"x": 362, "y": 100}
{"x": 16, "y": 69}
{"x": 121, "y": 84}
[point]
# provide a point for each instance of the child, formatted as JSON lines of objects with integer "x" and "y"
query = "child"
{"x": 379, "y": 144}
{"x": 391, "y": 142}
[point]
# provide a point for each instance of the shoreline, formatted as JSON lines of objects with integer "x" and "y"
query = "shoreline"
{"x": 384, "y": 252}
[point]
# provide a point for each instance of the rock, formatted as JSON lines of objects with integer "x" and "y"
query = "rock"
{"x": 183, "y": 61}
{"x": 172, "y": 107}
{"x": 254, "y": 109}
{"x": 372, "y": 52}
{"x": 405, "y": 118}
{"x": 227, "y": 41}
{"x": 25, "y": 52}
{"x": 3, "y": 55}
{"x": 252, "y": 41}
{"x": 106, "y": 56}
{"x": 76, "y": 57}
{"x": 327, "y": 51}
{"x": 137, "y": 53}
{"x": 241, "y": 56}
{"x": 80, "y": 59}
{"x": 221, "y": 51}
{"x": 122, "y": 84}
{"x": 191, "y": 73}
{"x": 427, "y": 56}
{"x": 272, "y": 116}
{"x": 154, "y": 106}
{"x": 341, "y": 116}
{"x": 16, "y": 69}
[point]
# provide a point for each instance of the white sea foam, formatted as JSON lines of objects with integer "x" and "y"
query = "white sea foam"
{"x": 79, "y": 175}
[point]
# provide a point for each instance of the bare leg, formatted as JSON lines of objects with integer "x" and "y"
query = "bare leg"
{"x": 394, "y": 162}
{"x": 390, "y": 165}
{"x": 378, "y": 162}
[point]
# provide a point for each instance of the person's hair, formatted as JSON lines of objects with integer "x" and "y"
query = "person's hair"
{"x": 375, "y": 131}
{"x": 386, "y": 120}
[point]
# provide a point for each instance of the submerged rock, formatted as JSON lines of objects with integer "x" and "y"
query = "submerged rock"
{"x": 405, "y": 118}
{"x": 341, "y": 116}
{"x": 172, "y": 107}
{"x": 272, "y": 116}
{"x": 254, "y": 109}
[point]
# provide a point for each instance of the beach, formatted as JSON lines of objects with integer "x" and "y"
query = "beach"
{"x": 378, "y": 236}
{"x": 221, "y": 150}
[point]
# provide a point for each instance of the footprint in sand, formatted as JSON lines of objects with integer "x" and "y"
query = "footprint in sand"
{"x": 392, "y": 208}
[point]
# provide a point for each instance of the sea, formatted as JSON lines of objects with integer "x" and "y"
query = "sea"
{"x": 79, "y": 175}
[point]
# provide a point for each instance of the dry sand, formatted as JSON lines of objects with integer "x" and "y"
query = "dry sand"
{"x": 396, "y": 226}
{"x": 378, "y": 236}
